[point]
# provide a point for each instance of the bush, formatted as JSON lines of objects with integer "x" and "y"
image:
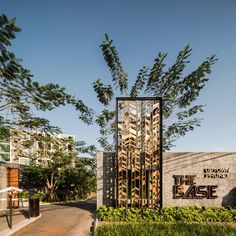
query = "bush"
{"x": 167, "y": 214}
{"x": 23, "y": 194}
{"x": 40, "y": 195}
{"x": 167, "y": 229}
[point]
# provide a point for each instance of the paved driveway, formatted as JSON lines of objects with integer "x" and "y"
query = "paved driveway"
{"x": 62, "y": 219}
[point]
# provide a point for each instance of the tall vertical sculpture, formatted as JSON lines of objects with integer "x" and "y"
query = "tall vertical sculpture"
{"x": 139, "y": 152}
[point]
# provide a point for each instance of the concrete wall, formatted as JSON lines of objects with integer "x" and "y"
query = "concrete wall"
{"x": 211, "y": 172}
{"x": 105, "y": 179}
{"x": 210, "y": 169}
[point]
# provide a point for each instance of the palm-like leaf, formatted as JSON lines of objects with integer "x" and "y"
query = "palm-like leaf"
{"x": 112, "y": 59}
{"x": 140, "y": 82}
{"x": 155, "y": 74}
{"x": 178, "y": 91}
{"x": 104, "y": 93}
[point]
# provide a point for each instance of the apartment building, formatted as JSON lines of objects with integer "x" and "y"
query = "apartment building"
{"x": 5, "y": 151}
{"x": 36, "y": 146}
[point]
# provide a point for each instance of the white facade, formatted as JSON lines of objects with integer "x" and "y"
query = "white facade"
{"x": 14, "y": 152}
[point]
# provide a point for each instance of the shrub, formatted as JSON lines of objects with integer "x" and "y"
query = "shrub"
{"x": 40, "y": 195}
{"x": 23, "y": 194}
{"x": 164, "y": 229}
{"x": 167, "y": 214}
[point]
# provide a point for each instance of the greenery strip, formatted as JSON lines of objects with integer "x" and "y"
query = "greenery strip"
{"x": 167, "y": 214}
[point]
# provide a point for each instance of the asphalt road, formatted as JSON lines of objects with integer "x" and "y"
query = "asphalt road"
{"x": 73, "y": 219}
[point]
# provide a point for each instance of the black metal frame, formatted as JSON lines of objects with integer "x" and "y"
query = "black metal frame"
{"x": 161, "y": 145}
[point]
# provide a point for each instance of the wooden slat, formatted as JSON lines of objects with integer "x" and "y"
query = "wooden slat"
{"x": 138, "y": 155}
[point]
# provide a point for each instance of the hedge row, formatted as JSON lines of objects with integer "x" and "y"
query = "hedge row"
{"x": 167, "y": 214}
{"x": 164, "y": 229}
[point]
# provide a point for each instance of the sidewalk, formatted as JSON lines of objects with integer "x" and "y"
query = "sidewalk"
{"x": 19, "y": 220}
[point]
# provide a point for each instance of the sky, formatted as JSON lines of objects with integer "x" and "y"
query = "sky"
{"x": 60, "y": 41}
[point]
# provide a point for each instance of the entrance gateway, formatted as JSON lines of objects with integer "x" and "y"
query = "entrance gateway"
{"x": 136, "y": 175}
{"x": 139, "y": 152}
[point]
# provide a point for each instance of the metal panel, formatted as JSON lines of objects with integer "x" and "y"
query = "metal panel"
{"x": 139, "y": 152}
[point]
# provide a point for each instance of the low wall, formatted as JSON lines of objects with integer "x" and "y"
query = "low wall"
{"x": 189, "y": 178}
{"x": 205, "y": 179}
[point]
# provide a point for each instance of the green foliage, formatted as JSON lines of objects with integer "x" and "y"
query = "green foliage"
{"x": 32, "y": 177}
{"x": 4, "y": 132}
{"x": 140, "y": 82}
{"x": 8, "y": 30}
{"x": 104, "y": 93}
{"x": 167, "y": 229}
{"x": 19, "y": 93}
{"x": 40, "y": 195}
{"x": 167, "y": 214}
{"x": 111, "y": 57}
{"x": 24, "y": 194}
{"x": 62, "y": 176}
{"x": 82, "y": 147}
{"x": 178, "y": 90}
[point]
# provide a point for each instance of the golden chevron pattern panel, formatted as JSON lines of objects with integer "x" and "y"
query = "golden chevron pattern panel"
{"x": 138, "y": 153}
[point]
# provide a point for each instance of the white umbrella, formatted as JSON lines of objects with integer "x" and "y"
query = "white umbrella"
{"x": 8, "y": 189}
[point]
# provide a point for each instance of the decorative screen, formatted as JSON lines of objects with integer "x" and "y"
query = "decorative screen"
{"x": 139, "y": 152}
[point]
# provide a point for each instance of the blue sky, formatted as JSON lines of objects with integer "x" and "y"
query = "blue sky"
{"x": 60, "y": 41}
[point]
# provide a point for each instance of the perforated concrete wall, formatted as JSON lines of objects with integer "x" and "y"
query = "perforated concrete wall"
{"x": 199, "y": 178}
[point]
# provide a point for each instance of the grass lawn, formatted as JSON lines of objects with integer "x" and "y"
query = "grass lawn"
{"x": 164, "y": 229}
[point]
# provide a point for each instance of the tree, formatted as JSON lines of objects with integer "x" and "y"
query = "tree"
{"x": 60, "y": 180}
{"x": 19, "y": 93}
{"x": 79, "y": 181}
{"x": 32, "y": 177}
{"x": 178, "y": 91}
{"x": 56, "y": 169}
{"x": 54, "y": 155}
{"x": 49, "y": 162}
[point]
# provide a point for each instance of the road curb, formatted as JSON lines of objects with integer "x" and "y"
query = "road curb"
{"x": 54, "y": 203}
{"x": 18, "y": 226}
{"x": 63, "y": 202}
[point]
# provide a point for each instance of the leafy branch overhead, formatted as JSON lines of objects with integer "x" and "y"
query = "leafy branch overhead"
{"x": 119, "y": 77}
{"x": 104, "y": 93}
{"x": 178, "y": 90}
{"x": 19, "y": 93}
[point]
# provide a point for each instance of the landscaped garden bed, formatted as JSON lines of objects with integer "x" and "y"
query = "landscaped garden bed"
{"x": 167, "y": 214}
{"x": 164, "y": 229}
{"x": 166, "y": 221}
